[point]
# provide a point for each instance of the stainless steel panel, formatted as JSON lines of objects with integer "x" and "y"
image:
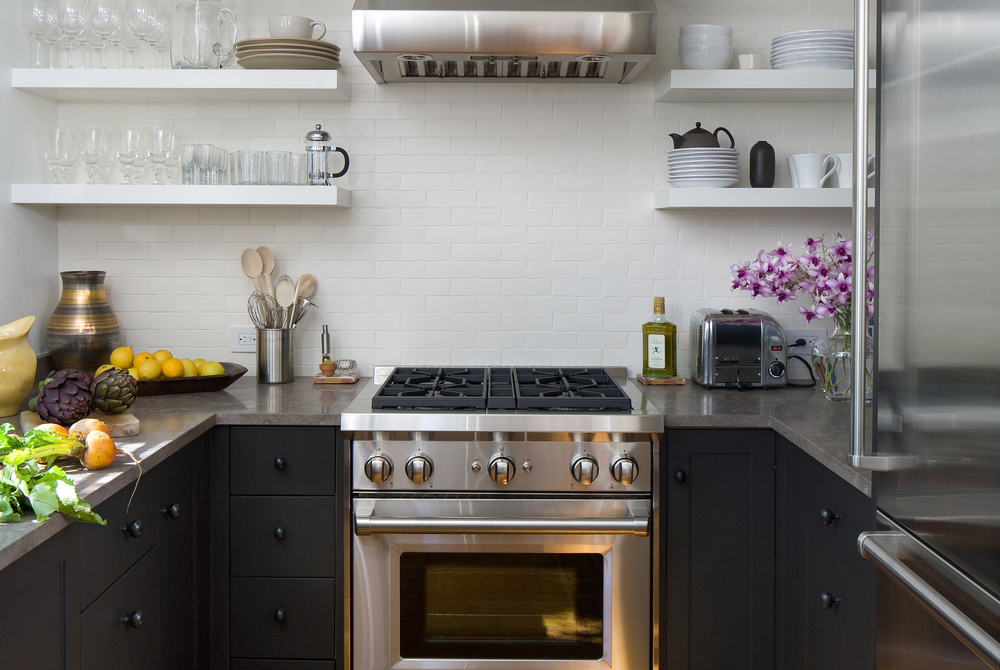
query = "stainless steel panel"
{"x": 938, "y": 311}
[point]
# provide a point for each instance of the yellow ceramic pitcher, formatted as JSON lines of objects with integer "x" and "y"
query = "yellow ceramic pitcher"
{"x": 17, "y": 365}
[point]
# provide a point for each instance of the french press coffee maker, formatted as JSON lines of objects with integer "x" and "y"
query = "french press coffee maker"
{"x": 318, "y": 153}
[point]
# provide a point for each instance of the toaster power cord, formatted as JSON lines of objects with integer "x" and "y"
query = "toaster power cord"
{"x": 799, "y": 343}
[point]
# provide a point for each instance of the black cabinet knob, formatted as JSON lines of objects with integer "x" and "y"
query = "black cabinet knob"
{"x": 827, "y": 601}
{"x": 279, "y": 463}
{"x": 171, "y": 511}
{"x": 133, "y": 620}
{"x": 279, "y": 533}
{"x": 279, "y": 615}
{"x": 827, "y": 516}
{"x": 680, "y": 477}
{"x": 133, "y": 529}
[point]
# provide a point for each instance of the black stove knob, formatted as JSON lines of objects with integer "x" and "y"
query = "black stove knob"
{"x": 625, "y": 470}
{"x": 502, "y": 470}
{"x": 418, "y": 469}
{"x": 378, "y": 468}
{"x": 584, "y": 470}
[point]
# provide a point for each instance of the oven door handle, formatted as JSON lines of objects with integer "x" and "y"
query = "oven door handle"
{"x": 366, "y": 523}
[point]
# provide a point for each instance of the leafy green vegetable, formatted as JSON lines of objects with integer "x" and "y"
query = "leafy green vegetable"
{"x": 30, "y": 480}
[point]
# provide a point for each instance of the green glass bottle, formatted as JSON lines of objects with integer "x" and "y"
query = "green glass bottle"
{"x": 659, "y": 345}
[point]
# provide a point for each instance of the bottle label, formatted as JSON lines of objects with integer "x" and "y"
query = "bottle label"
{"x": 657, "y": 351}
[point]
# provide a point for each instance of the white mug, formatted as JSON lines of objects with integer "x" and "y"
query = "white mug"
{"x": 842, "y": 178}
{"x": 812, "y": 170}
{"x": 294, "y": 27}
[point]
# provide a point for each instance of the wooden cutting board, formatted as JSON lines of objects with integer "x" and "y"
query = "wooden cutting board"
{"x": 121, "y": 425}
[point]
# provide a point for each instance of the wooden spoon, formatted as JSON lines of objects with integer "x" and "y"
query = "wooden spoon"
{"x": 268, "y": 258}
{"x": 306, "y": 286}
{"x": 252, "y": 265}
{"x": 285, "y": 293}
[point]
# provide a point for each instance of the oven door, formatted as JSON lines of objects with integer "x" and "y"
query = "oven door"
{"x": 491, "y": 584}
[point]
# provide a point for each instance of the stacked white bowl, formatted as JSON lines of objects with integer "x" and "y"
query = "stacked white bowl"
{"x": 704, "y": 46}
{"x": 713, "y": 167}
{"x": 813, "y": 49}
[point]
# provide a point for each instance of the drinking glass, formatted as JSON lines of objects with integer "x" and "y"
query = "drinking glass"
{"x": 189, "y": 164}
{"x": 297, "y": 169}
{"x": 158, "y": 142}
{"x": 159, "y": 39}
{"x": 140, "y": 17}
{"x": 248, "y": 164}
{"x": 277, "y": 167}
{"x": 220, "y": 166}
{"x": 116, "y": 39}
{"x": 61, "y": 148}
{"x": 131, "y": 152}
{"x": 105, "y": 19}
{"x": 172, "y": 157}
{"x": 203, "y": 161}
{"x": 71, "y": 20}
{"x": 93, "y": 144}
{"x": 37, "y": 17}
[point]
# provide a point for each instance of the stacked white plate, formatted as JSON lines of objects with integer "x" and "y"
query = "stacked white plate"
{"x": 813, "y": 49}
{"x": 273, "y": 53}
{"x": 713, "y": 167}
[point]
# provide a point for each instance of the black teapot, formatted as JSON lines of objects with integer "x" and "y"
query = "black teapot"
{"x": 699, "y": 137}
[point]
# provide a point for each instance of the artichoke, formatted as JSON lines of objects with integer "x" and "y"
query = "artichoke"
{"x": 63, "y": 396}
{"x": 113, "y": 391}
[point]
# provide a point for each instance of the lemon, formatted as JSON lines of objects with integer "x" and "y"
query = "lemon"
{"x": 162, "y": 356}
{"x": 197, "y": 362}
{"x": 139, "y": 358}
{"x": 172, "y": 368}
{"x": 190, "y": 369}
{"x": 122, "y": 357}
{"x": 150, "y": 369}
{"x": 134, "y": 372}
{"x": 209, "y": 368}
{"x": 103, "y": 368}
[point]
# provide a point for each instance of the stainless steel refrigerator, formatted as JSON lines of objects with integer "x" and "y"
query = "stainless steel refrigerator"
{"x": 934, "y": 443}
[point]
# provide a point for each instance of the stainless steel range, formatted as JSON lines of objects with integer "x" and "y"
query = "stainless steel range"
{"x": 503, "y": 519}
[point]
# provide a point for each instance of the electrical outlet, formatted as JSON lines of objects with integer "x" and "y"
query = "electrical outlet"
{"x": 242, "y": 339}
{"x": 810, "y": 337}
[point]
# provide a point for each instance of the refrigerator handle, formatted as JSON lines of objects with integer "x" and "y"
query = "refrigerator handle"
{"x": 881, "y": 549}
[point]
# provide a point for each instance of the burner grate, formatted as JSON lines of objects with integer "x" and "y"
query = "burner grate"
{"x": 569, "y": 389}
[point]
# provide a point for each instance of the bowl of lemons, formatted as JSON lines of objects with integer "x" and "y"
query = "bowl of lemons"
{"x": 160, "y": 372}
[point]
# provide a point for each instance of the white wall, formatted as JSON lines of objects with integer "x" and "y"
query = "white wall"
{"x": 506, "y": 223}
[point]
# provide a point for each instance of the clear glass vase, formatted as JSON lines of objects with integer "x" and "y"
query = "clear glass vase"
{"x": 834, "y": 370}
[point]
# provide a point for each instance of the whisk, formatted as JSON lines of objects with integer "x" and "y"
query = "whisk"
{"x": 259, "y": 310}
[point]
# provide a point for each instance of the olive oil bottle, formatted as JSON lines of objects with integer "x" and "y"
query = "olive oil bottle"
{"x": 659, "y": 345}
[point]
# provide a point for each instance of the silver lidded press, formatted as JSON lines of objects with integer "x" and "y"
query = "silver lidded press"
{"x": 318, "y": 150}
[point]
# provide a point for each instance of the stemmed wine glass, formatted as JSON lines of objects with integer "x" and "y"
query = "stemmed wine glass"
{"x": 93, "y": 145}
{"x": 61, "y": 148}
{"x": 37, "y": 17}
{"x": 71, "y": 20}
{"x": 160, "y": 37}
{"x": 141, "y": 19}
{"x": 105, "y": 19}
{"x": 131, "y": 152}
{"x": 159, "y": 141}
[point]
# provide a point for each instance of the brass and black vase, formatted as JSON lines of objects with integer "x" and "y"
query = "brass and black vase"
{"x": 83, "y": 331}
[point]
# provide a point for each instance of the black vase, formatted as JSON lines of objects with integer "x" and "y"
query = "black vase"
{"x": 762, "y": 165}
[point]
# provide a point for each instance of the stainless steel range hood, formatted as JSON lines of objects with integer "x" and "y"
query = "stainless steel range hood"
{"x": 504, "y": 40}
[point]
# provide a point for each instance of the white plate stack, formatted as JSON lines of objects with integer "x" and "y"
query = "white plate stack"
{"x": 813, "y": 50}
{"x": 274, "y": 53}
{"x": 713, "y": 167}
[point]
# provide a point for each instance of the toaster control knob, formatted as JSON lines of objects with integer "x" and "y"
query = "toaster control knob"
{"x": 776, "y": 369}
{"x": 502, "y": 470}
{"x": 584, "y": 470}
{"x": 418, "y": 469}
{"x": 625, "y": 470}
{"x": 378, "y": 468}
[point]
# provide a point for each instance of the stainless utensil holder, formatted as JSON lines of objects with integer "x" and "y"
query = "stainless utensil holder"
{"x": 274, "y": 356}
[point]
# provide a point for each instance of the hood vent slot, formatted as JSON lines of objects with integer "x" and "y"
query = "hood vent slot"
{"x": 492, "y": 67}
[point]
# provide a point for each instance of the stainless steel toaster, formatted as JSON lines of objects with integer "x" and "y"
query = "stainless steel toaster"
{"x": 737, "y": 348}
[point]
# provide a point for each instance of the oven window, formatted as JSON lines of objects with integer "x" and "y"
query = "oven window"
{"x": 501, "y": 606}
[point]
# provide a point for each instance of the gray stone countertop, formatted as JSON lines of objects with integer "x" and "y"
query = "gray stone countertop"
{"x": 169, "y": 422}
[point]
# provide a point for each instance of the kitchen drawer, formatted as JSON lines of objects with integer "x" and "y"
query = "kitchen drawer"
{"x": 282, "y": 618}
{"x": 106, "y": 552}
{"x": 108, "y": 640}
{"x": 267, "y": 460}
{"x": 282, "y": 536}
{"x": 269, "y": 664}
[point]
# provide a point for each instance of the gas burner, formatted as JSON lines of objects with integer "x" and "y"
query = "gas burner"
{"x": 569, "y": 389}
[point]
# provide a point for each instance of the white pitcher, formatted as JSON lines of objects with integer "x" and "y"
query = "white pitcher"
{"x": 197, "y": 40}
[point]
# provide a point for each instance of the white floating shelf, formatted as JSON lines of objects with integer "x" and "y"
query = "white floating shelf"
{"x": 182, "y": 85}
{"x": 758, "y": 86}
{"x": 266, "y": 196}
{"x": 725, "y": 198}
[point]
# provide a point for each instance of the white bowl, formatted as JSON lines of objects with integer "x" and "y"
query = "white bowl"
{"x": 706, "y": 57}
{"x": 706, "y": 29}
{"x": 702, "y": 40}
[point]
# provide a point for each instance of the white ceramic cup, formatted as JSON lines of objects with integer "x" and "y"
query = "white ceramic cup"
{"x": 749, "y": 61}
{"x": 812, "y": 170}
{"x": 843, "y": 177}
{"x": 294, "y": 27}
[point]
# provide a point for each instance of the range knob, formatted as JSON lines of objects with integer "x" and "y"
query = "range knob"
{"x": 378, "y": 468}
{"x": 502, "y": 470}
{"x": 584, "y": 470}
{"x": 419, "y": 468}
{"x": 625, "y": 470}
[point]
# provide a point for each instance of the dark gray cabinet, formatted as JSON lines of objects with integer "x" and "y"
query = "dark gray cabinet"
{"x": 825, "y": 589}
{"x": 718, "y": 492}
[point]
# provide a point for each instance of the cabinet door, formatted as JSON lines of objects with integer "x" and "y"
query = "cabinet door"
{"x": 283, "y": 618}
{"x": 286, "y": 536}
{"x": 267, "y": 460}
{"x": 794, "y": 516}
{"x": 718, "y": 488}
